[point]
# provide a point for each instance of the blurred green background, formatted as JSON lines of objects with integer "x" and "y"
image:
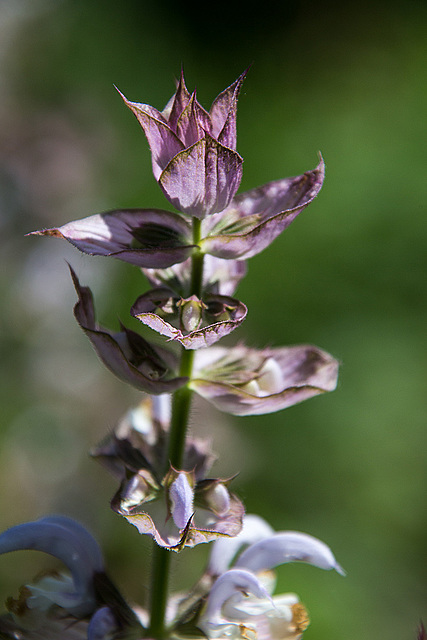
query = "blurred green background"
{"x": 348, "y": 275}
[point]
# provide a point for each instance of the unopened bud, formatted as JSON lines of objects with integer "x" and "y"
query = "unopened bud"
{"x": 218, "y": 499}
{"x": 181, "y": 496}
{"x": 191, "y": 313}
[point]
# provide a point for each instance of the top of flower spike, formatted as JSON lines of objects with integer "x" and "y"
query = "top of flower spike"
{"x": 193, "y": 152}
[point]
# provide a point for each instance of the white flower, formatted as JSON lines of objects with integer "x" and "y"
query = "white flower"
{"x": 239, "y": 605}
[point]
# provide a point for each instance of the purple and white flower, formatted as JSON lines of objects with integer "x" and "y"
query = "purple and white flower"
{"x": 240, "y": 603}
{"x": 83, "y": 603}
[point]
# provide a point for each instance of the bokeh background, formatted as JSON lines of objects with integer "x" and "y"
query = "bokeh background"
{"x": 347, "y": 79}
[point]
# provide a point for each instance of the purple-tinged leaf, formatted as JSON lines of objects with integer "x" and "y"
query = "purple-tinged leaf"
{"x": 244, "y": 381}
{"x": 164, "y": 143}
{"x": 203, "y": 178}
{"x": 126, "y": 354}
{"x": 187, "y": 127}
{"x": 223, "y": 113}
{"x": 255, "y": 218}
{"x": 177, "y": 103}
{"x": 220, "y": 316}
{"x": 143, "y": 237}
{"x": 192, "y": 123}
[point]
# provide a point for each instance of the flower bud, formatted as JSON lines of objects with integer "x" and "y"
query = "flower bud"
{"x": 181, "y": 496}
{"x": 191, "y": 310}
{"x": 218, "y": 499}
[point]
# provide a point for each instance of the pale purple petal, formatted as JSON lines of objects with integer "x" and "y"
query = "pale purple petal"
{"x": 67, "y": 541}
{"x": 177, "y": 103}
{"x": 181, "y": 496}
{"x": 287, "y": 546}
{"x": 245, "y": 381}
{"x": 187, "y": 128}
{"x": 126, "y": 354}
{"x": 92, "y": 547}
{"x": 164, "y": 143}
{"x": 143, "y": 237}
{"x": 254, "y": 219}
{"x": 102, "y": 625}
{"x": 223, "y": 113}
{"x": 203, "y": 178}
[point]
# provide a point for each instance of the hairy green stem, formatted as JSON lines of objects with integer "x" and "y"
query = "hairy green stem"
{"x": 181, "y": 403}
{"x": 159, "y": 591}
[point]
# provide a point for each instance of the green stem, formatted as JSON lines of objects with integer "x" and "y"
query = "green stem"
{"x": 180, "y": 411}
{"x": 181, "y": 404}
{"x": 197, "y": 261}
{"x": 159, "y": 591}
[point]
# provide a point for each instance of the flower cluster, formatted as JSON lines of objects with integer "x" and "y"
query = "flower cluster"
{"x": 193, "y": 259}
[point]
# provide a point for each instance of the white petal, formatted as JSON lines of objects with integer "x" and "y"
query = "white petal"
{"x": 229, "y": 588}
{"x": 288, "y": 546}
{"x": 224, "y": 549}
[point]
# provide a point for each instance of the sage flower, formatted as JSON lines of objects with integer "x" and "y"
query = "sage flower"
{"x": 175, "y": 507}
{"x": 244, "y": 381}
{"x": 240, "y": 604}
{"x": 193, "y": 152}
{"x": 82, "y": 604}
